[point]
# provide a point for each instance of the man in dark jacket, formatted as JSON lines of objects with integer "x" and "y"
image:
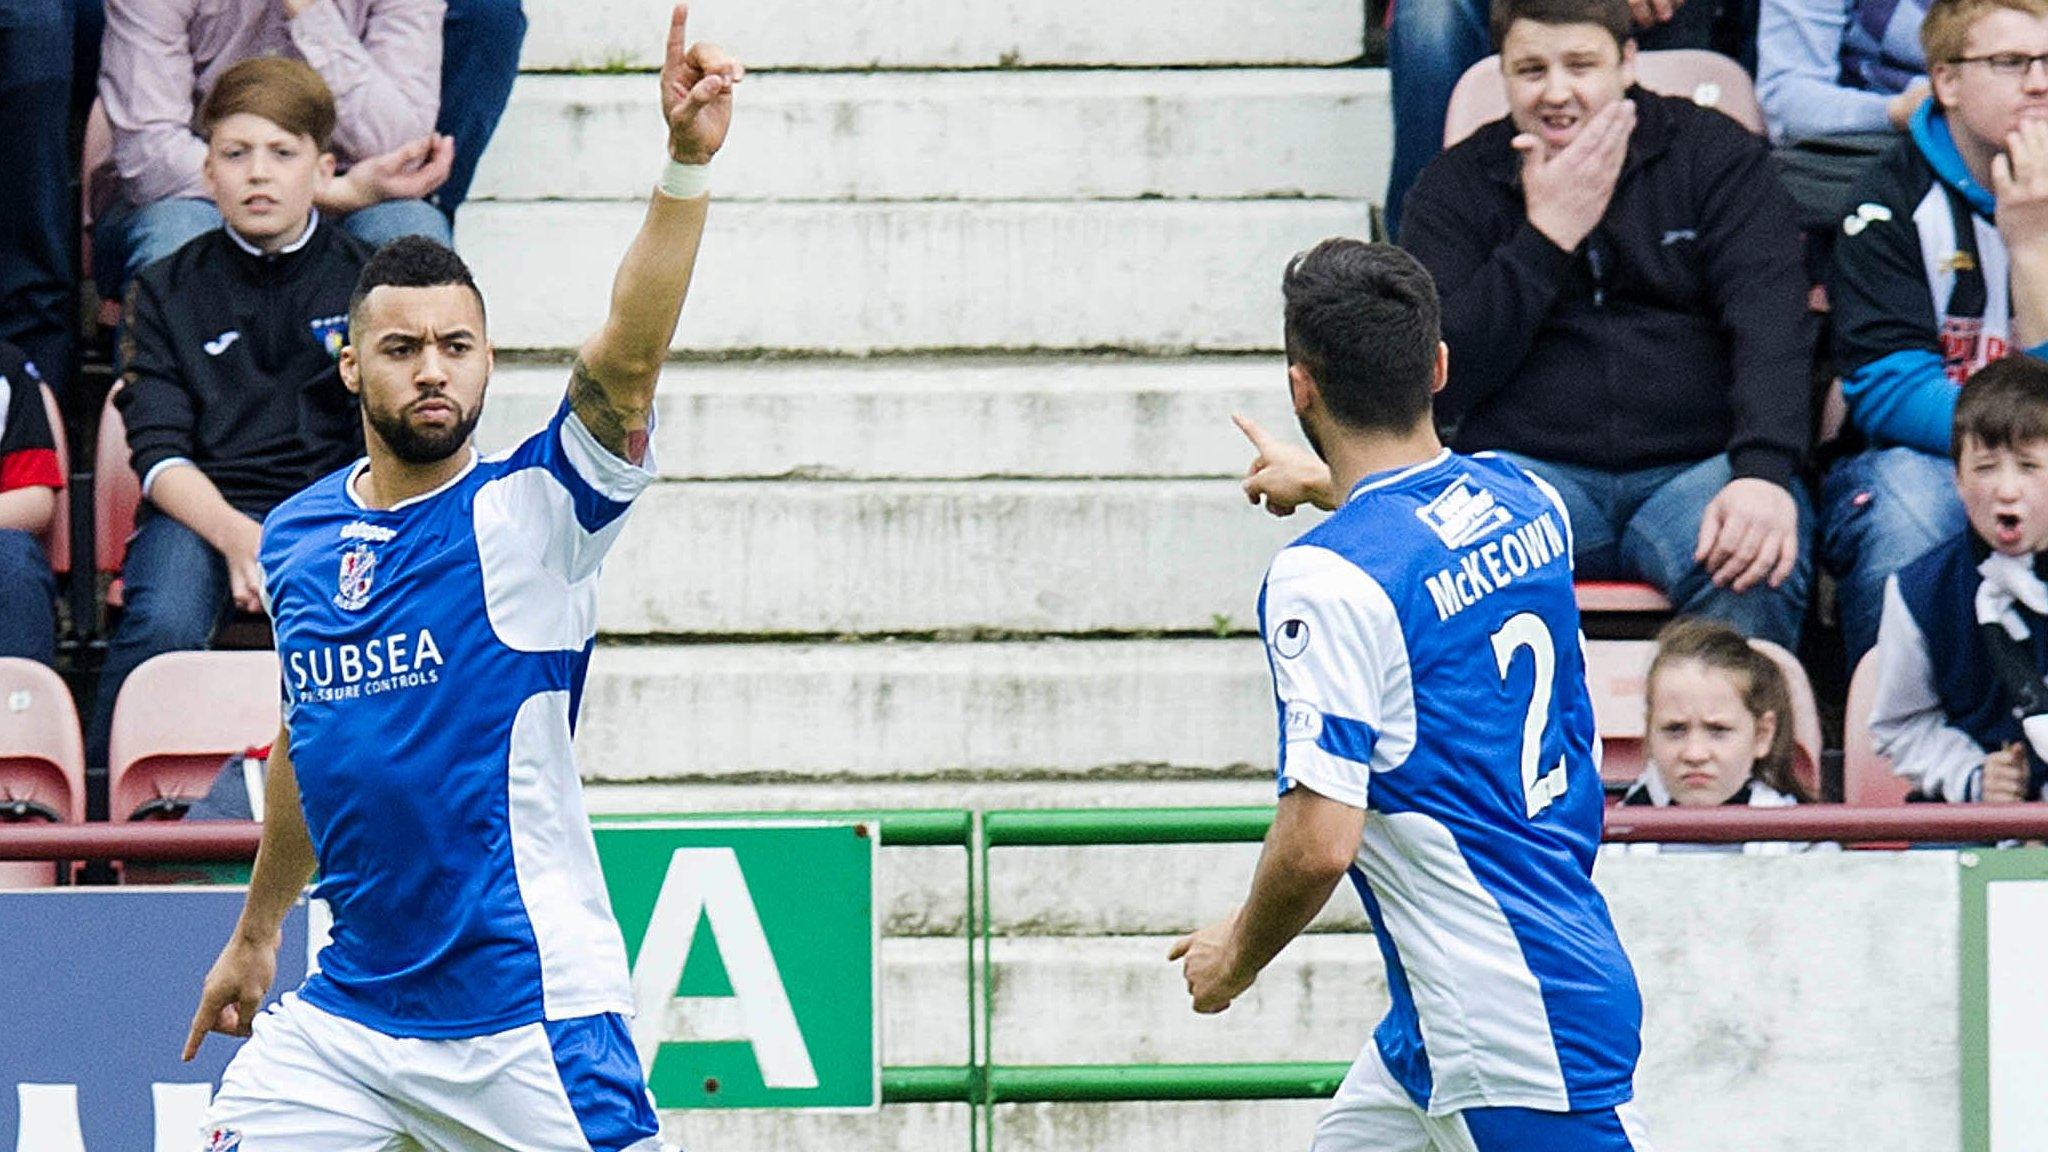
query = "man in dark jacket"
{"x": 1626, "y": 313}
{"x": 233, "y": 400}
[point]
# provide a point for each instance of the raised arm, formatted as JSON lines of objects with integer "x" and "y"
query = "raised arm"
{"x": 611, "y": 388}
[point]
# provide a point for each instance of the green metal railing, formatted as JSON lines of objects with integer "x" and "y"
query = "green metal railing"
{"x": 981, "y": 1083}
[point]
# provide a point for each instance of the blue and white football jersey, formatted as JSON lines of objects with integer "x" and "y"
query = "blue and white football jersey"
{"x": 1428, "y": 668}
{"x": 433, "y": 657}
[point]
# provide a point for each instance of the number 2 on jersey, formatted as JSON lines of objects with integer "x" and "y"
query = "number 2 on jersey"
{"x": 1527, "y": 630}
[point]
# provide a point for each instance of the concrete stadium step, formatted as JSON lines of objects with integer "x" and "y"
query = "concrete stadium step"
{"x": 1162, "y": 276}
{"x": 614, "y": 34}
{"x": 1130, "y": 710}
{"x": 1111, "y": 709}
{"x": 945, "y": 418}
{"x": 1237, "y": 1124}
{"x": 608, "y": 798}
{"x": 1062, "y": 135}
{"x": 1116, "y": 999}
{"x": 756, "y": 558}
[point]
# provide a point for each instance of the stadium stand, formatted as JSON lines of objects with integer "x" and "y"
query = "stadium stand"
{"x": 42, "y": 759}
{"x": 179, "y": 716}
{"x": 1709, "y": 78}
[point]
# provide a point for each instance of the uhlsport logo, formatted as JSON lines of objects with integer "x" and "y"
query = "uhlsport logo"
{"x": 223, "y": 1140}
{"x": 1461, "y": 516}
{"x": 358, "y": 570}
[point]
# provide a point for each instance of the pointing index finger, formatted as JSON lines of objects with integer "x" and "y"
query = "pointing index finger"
{"x": 1260, "y": 438}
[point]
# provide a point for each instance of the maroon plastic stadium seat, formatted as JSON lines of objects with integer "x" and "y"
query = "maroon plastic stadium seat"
{"x": 179, "y": 716}
{"x": 1866, "y": 776}
{"x": 1617, "y": 677}
{"x": 57, "y": 541}
{"x": 1708, "y": 78}
{"x": 42, "y": 759}
{"x": 117, "y": 493}
{"x": 1619, "y": 596}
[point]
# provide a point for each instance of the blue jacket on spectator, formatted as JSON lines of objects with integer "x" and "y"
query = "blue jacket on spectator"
{"x": 1826, "y": 68}
{"x": 1905, "y": 338}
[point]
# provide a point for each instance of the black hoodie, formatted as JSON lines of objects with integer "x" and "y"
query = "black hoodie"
{"x": 1676, "y": 332}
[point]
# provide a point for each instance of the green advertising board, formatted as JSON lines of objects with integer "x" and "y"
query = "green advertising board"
{"x": 754, "y": 956}
{"x": 2004, "y": 999}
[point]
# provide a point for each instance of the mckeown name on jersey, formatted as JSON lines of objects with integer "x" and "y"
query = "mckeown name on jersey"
{"x": 1485, "y": 569}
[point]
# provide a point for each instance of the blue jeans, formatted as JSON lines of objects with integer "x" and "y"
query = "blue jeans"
{"x": 479, "y": 60}
{"x": 131, "y": 237}
{"x": 1643, "y": 525}
{"x": 36, "y": 206}
{"x": 175, "y": 591}
{"x": 28, "y": 607}
{"x": 1880, "y": 510}
{"x": 1430, "y": 45}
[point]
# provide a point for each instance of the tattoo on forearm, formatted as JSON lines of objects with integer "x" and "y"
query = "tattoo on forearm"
{"x": 622, "y": 430}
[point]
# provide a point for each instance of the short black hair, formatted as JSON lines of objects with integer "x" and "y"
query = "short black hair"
{"x": 411, "y": 262}
{"x": 1612, "y": 15}
{"x": 2004, "y": 405}
{"x": 1364, "y": 320}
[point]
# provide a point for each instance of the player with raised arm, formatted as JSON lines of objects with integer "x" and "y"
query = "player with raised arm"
{"x": 1436, "y": 744}
{"x": 434, "y": 614}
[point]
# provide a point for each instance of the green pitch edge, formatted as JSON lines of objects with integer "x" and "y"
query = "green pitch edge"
{"x": 1115, "y": 1083}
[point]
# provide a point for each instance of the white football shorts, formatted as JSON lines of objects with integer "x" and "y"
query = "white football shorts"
{"x": 1372, "y": 1113}
{"x": 310, "y": 1081}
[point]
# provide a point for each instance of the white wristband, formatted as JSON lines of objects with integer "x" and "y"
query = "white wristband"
{"x": 685, "y": 181}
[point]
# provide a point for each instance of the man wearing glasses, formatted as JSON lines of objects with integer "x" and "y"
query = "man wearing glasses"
{"x": 1941, "y": 267}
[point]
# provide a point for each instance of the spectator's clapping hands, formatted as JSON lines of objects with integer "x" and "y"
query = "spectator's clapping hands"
{"x": 410, "y": 172}
{"x": 1285, "y": 476}
{"x": 1566, "y": 195}
{"x": 2019, "y": 182}
{"x": 2005, "y": 776}
{"x": 1749, "y": 535}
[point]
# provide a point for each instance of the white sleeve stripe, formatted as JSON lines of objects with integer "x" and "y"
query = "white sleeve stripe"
{"x": 1308, "y": 766}
{"x": 615, "y": 479}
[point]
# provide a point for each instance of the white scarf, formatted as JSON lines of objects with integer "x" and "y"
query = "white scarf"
{"x": 2007, "y": 580}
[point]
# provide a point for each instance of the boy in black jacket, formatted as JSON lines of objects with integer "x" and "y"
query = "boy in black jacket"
{"x": 232, "y": 397}
{"x": 1626, "y": 312}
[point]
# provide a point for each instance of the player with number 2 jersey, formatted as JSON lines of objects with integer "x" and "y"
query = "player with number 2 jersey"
{"x": 1437, "y": 744}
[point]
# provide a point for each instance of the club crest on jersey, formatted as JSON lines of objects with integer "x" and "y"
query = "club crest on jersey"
{"x": 358, "y": 569}
{"x": 223, "y": 1140}
{"x": 1462, "y": 516}
{"x": 331, "y": 332}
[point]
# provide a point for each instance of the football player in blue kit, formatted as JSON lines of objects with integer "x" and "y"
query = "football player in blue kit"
{"x": 1436, "y": 744}
{"x": 434, "y": 613}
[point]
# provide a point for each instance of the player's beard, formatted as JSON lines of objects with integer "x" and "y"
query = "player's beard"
{"x": 423, "y": 446}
